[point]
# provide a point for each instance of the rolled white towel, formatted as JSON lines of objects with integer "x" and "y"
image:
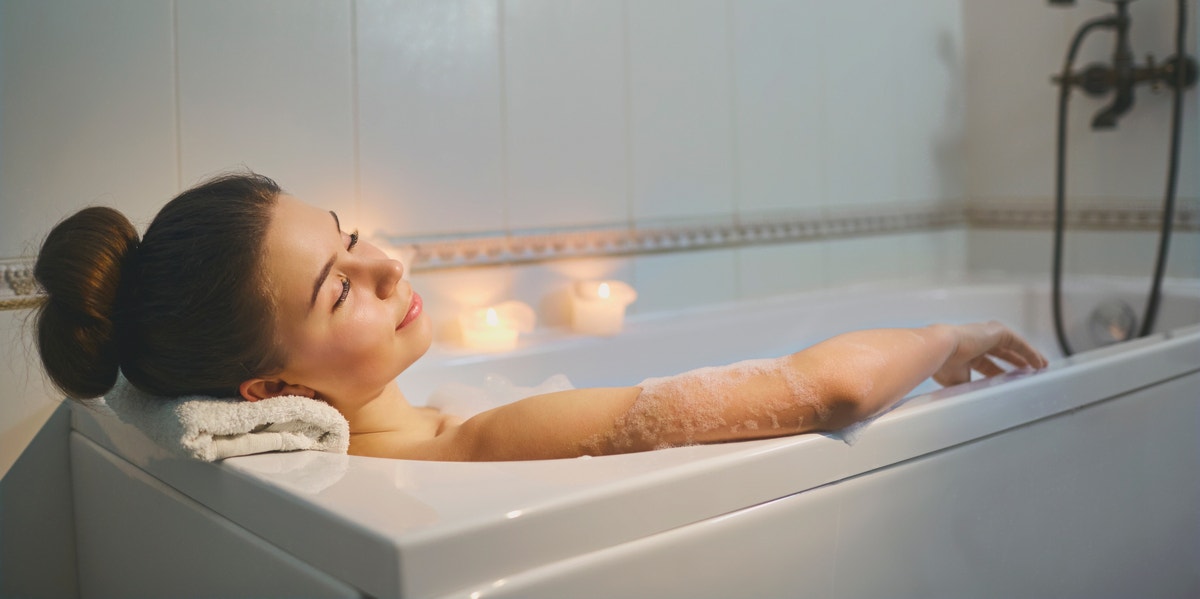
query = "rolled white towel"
{"x": 209, "y": 429}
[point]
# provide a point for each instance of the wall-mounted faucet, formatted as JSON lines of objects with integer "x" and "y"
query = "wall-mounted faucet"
{"x": 1123, "y": 74}
{"x": 1179, "y": 72}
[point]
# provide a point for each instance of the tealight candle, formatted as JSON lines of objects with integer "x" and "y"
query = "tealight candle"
{"x": 598, "y": 307}
{"x": 495, "y": 328}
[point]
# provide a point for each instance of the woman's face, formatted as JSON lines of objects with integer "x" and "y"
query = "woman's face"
{"x": 348, "y": 323}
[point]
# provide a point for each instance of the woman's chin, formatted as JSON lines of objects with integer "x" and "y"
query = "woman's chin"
{"x": 420, "y": 333}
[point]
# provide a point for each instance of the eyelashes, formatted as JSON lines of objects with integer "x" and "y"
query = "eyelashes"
{"x": 346, "y": 282}
{"x": 345, "y": 292}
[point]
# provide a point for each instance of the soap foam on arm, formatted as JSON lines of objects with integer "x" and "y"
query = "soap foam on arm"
{"x": 746, "y": 400}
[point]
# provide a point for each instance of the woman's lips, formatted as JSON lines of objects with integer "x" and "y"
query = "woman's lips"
{"x": 414, "y": 310}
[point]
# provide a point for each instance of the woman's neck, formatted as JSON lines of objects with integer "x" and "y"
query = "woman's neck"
{"x": 387, "y": 412}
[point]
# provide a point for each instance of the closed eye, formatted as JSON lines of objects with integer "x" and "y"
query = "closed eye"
{"x": 345, "y": 281}
{"x": 345, "y": 293}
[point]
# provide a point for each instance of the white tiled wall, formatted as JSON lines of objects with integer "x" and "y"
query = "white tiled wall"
{"x": 861, "y": 115}
{"x": 777, "y": 269}
{"x": 779, "y": 104}
{"x": 86, "y": 112}
{"x": 565, "y": 113}
{"x": 430, "y": 121}
{"x": 680, "y": 108}
{"x": 1123, "y": 253}
{"x": 272, "y": 92}
{"x": 665, "y": 281}
{"x": 930, "y": 106}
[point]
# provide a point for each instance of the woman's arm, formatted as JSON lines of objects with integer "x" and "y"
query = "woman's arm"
{"x": 825, "y": 387}
{"x": 865, "y": 372}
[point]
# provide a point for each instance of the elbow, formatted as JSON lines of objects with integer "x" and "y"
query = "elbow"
{"x": 842, "y": 410}
{"x": 847, "y": 402}
{"x": 832, "y": 398}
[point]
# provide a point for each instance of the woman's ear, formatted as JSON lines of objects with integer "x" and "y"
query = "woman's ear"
{"x": 256, "y": 389}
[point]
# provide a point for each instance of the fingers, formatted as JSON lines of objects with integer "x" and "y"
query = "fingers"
{"x": 980, "y": 345}
{"x": 949, "y": 377}
{"x": 1014, "y": 358}
{"x": 986, "y": 366}
{"x": 1017, "y": 346}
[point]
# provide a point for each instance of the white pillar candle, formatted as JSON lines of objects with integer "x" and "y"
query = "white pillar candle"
{"x": 495, "y": 328}
{"x": 598, "y": 307}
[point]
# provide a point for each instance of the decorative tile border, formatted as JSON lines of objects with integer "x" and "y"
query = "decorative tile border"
{"x": 674, "y": 236}
{"x": 18, "y": 289}
{"x": 1093, "y": 215}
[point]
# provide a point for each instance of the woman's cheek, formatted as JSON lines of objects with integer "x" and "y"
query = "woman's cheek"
{"x": 352, "y": 345}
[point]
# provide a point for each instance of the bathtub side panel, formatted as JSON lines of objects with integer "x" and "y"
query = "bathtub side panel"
{"x": 138, "y": 537}
{"x": 1093, "y": 503}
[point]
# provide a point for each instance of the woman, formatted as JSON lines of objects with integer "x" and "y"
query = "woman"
{"x": 240, "y": 289}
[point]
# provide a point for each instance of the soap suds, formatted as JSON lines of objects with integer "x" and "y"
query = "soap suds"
{"x": 676, "y": 410}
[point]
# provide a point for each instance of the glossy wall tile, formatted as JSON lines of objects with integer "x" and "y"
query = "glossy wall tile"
{"x": 684, "y": 280}
{"x": 680, "y": 102}
{"x": 779, "y": 105}
{"x": 430, "y": 125}
{"x": 87, "y": 113}
{"x": 860, "y": 110}
{"x": 780, "y": 269}
{"x": 930, "y": 107}
{"x": 275, "y": 95}
{"x": 565, "y": 110}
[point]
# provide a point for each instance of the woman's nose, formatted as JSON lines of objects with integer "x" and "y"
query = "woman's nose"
{"x": 387, "y": 275}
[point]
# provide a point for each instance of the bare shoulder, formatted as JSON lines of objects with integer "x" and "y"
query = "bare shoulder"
{"x": 428, "y": 439}
{"x": 562, "y": 424}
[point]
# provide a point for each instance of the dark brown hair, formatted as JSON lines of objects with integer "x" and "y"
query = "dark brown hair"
{"x": 186, "y": 310}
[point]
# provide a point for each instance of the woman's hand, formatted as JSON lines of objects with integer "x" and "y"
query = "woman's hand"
{"x": 977, "y": 344}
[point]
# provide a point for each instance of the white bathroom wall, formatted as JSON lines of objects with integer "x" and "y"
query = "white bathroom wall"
{"x": 86, "y": 112}
{"x": 1013, "y": 49}
{"x": 746, "y": 107}
{"x": 565, "y": 113}
{"x": 268, "y": 84}
{"x": 430, "y": 125}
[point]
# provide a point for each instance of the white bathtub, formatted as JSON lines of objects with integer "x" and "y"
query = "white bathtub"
{"x": 1078, "y": 481}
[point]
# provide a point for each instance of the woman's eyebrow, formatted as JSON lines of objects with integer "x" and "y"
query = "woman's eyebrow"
{"x": 328, "y": 265}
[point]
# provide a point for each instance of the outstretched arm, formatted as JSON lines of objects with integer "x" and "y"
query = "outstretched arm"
{"x": 825, "y": 387}
{"x": 865, "y": 372}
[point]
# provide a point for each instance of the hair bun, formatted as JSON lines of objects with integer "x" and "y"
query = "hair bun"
{"x": 80, "y": 267}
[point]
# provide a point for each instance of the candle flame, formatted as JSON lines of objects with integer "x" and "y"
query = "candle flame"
{"x": 493, "y": 319}
{"x": 604, "y": 291}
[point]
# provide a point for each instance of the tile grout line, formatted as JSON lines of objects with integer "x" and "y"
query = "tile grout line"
{"x": 502, "y": 66}
{"x": 355, "y": 116}
{"x": 627, "y": 66}
{"x": 735, "y": 183}
{"x": 176, "y": 96}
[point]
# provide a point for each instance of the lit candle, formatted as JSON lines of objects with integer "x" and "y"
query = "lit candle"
{"x": 598, "y": 307}
{"x": 496, "y": 328}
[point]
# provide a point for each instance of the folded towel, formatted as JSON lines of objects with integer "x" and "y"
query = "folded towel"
{"x": 208, "y": 428}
